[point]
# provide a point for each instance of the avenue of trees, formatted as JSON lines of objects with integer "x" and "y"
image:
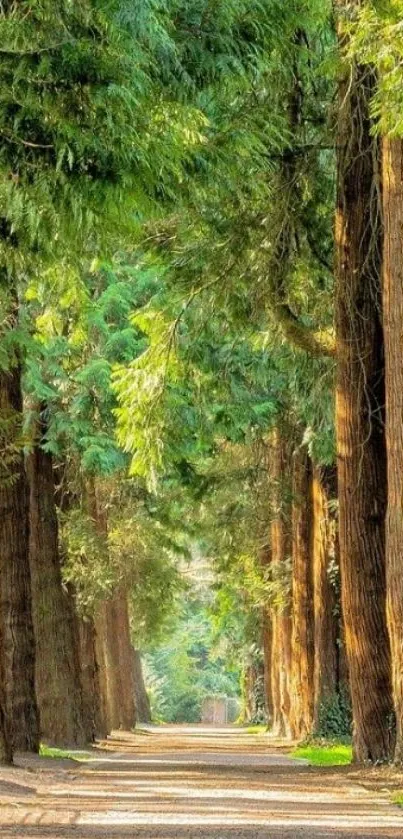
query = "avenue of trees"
{"x": 201, "y": 327}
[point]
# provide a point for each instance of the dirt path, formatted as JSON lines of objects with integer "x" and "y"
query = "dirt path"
{"x": 192, "y": 783}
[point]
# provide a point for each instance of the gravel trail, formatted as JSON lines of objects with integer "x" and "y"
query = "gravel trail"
{"x": 192, "y": 783}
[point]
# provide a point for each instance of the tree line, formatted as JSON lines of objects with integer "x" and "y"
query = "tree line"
{"x": 201, "y": 319}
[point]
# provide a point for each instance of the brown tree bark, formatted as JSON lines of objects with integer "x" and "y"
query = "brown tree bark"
{"x": 105, "y": 722}
{"x": 94, "y": 718}
{"x": 281, "y": 619}
{"x": 142, "y": 702}
{"x": 57, "y": 671}
{"x": 15, "y": 583}
{"x": 127, "y": 711}
{"x": 302, "y": 680}
{"x": 393, "y": 326}
{"x": 359, "y": 418}
{"x": 267, "y": 640}
{"x": 267, "y": 644}
{"x": 326, "y": 647}
{"x": 6, "y": 752}
{"x": 113, "y": 641}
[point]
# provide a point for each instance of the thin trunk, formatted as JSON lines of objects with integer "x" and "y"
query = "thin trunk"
{"x": 393, "y": 325}
{"x": 281, "y": 548}
{"x": 95, "y": 724}
{"x": 6, "y": 754}
{"x": 105, "y": 722}
{"x": 267, "y": 641}
{"x": 359, "y": 418}
{"x": 57, "y": 673}
{"x": 302, "y": 691}
{"x": 107, "y": 645}
{"x": 15, "y": 584}
{"x": 326, "y": 680}
{"x": 142, "y": 702}
{"x": 127, "y": 713}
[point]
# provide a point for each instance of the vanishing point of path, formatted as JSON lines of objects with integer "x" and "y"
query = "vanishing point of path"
{"x": 193, "y": 783}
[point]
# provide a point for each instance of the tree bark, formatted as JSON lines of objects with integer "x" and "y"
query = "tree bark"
{"x": 6, "y": 752}
{"x": 113, "y": 640}
{"x": 15, "y": 583}
{"x": 281, "y": 618}
{"x": 105, "y": 721}
{"x": 57, "y": 672}
{"x": 127, "y": 712}
{"x": 393, "y": 326}
{"x": 142, "y": 702}
{"x": 267, "y": 644}
{"x": 326, "y": 649}
{"x": 359, "y": 419}
{"x": 94, "y": 719}
{"x": 267, "y": 640}
{"x": 302, "y": 690}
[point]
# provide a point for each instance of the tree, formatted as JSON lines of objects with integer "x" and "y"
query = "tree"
{"x": 376, "y": 36}
{"x": 57, "y": 675}
{"x": 302, "y": 608}
{"x": 16, "y": 632}
{"x": 63, "y": 163}
{"x": 362, "y": 482}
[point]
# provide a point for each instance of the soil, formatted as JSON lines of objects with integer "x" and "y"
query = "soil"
{"x": 195, "y": 783}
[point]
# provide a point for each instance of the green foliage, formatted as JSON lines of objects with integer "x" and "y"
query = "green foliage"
{"x": 189, "y": 665}
{"x": 376, "y": 39}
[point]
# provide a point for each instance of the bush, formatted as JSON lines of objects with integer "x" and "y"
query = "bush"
{"x": 335, "y": 718}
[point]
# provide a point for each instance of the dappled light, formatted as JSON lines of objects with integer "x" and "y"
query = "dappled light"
{"x": 169, "y": 787}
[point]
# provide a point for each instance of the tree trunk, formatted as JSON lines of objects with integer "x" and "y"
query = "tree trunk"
{"x": 113, "y": 640}
{"x": 359, "y": 419}
{"x": 142, "y": 702}
{"x": 267, "y": 643}
{"x": 302, "y": 691}
{"x": 15, "y": 584}
{"x": 393, "y": 326}
{"x": 267, "y": 640}
{"x": 6, "y": 754}
{"x": 57, "y": 672}
{"x": 281, "y": 549}
{"x": 326, "y": 668}
{"x": 94, "y": 719}
{"x": 127, "y": 713}
{"x": 105, "y": 722}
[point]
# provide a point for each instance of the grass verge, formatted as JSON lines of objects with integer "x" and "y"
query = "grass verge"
{"x": 398, "y": 799}
{"x": 332, "y": 754}
{"x": 256, "y": 729}
{"x": 50, "y": 751}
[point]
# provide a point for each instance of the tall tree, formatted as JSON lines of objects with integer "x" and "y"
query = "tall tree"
{"x": 360, "y": 412}
{"x": 393, "y": 325}
{"x": 326, "y": 622}
{"x": 57, "y": 675}
{"x": 63, "y": 165}
{"x": 16, "y": 633}
{"x": 302, "y": 608}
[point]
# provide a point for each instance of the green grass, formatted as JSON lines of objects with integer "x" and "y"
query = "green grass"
{"x": 49, "y": 751}
{"x": 256, "y": 729}
{"x": 333, "y": 754}
{"x": 398, "y": 799}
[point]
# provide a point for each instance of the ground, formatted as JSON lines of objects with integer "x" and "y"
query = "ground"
{"x": 193, "y": 783}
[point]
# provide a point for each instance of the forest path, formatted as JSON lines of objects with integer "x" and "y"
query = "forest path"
{"x": 193, "y": 783}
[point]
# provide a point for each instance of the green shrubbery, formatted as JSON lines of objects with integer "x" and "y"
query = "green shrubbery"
{"x": 335, "y": 718}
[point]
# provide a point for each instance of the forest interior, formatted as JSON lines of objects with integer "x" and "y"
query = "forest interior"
{"x": 201, "y": 373}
